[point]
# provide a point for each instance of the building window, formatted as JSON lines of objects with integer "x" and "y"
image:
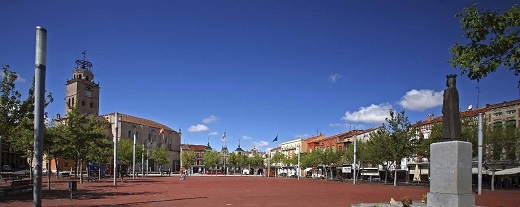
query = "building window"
{"x": 69, "y": 104}
{"x": 510, "y": 112}
{"x": 83, "y": 103}
{"x": 80, "y": 76}
{"x": 129, "y": 133}
{"x": 65, "y": 164}
{"x": 91, "y": 105}
{"x": 86, "y": 78}
{"x": 73, "y": 103}
{"x": 149, "y": 137}
{"x": 497, "y": 114}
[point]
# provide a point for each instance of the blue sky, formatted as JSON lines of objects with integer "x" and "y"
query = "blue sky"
{"x": 252, "y": 68}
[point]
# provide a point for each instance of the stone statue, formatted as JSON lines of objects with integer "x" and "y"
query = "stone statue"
{"x": 450, "y": 111}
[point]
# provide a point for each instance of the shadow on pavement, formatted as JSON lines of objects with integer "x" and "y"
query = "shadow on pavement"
{"x": 147, "y": 202}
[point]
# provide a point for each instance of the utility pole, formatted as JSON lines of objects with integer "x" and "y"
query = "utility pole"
{"x": 115, "y": 147}
{"x": 269, "y": 165}
{"x": 142, "y": 162}
{"x": 480, "y": 137}
{"x": 299, "y": 152}
{"x": 133, "y": 163}
{"x": 39, "y": 106}
{"x": 354, "y": 165}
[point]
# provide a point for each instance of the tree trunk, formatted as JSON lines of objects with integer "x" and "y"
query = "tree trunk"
{"x": 493, "y": 180}
{"x": 80, "y": 172}
{"x": 395, "y": 174}
{"x": 31, "y": 171}
{"x": 57, "y": 169}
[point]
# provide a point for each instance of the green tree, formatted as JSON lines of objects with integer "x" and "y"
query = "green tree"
{"x": 125, "y": 151}
{"x": 396, "y": 140}
{"x": 423, "y": 145}
{"x": 500, "y": 148}
{"x": 493, "y": 41}
{"x": 257, "y": 161}
{"x": 160, "y": 156}
{"x": 188, "y": 158}
{"x": 83, "y": 134}
{"x": 244, "y": 161}
{"x": 277, "y": 159}
{"x": 22, "y": 138}
{"x": 211, "y": 159}
{"x": 233, "y": 160}
{"x": 53, "y": 142}
{"x": 469, "y": 133}
{"x": 9, "y": 103}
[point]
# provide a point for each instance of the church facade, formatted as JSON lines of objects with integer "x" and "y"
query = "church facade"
{"x": 82, "y": 90}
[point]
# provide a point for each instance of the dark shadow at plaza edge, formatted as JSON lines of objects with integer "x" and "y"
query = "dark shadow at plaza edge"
{"x": 147, "y": 202}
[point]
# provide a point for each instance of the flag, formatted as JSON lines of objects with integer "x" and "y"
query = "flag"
{"x": 276, "y": 138}
{"x": 224, "y": 136}
{"x": 161, "y": 131}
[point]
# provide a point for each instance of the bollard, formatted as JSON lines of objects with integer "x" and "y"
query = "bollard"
{"x": 73, "y": 187}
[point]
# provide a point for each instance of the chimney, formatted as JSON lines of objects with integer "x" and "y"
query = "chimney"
{"x": 429, "y": 117}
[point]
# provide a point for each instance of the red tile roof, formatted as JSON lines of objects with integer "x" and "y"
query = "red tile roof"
{"x": 467, "y": 113}
{"x": 193, "y": 147}
{"x": 503, "y": 104}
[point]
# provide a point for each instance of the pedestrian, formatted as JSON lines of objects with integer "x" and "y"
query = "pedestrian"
{"x": 181, "y": 173}
{"x": 121, "y": 172}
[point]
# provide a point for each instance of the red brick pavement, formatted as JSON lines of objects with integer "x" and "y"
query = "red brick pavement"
{"x": 234, "y": 191}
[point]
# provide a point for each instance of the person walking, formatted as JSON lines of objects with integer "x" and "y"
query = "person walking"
{"x": 181, "y": 173}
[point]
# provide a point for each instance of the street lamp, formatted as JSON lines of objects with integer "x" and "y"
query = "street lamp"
{"x": 299, "y": 152}
{"x": 142, "y": 162}
{"x": 117, "y": 118}
{"x": 133, "y": 164}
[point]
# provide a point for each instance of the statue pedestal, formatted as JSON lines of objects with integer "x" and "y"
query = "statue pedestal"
{"x": 450, "y": 174}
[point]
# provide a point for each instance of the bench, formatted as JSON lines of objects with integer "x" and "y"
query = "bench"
{"x": 9, "y": 177}
{"x": 19, "y": 186}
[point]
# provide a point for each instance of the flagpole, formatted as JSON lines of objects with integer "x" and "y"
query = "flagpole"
{"x": 269, "y": 165}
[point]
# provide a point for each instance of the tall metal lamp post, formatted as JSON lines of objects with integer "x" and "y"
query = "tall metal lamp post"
{"x": 117, "y": 118}
{"x": 133, "y": 163}
{"x": 142, "y": 162}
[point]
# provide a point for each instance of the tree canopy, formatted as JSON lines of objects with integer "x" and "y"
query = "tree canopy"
{"x": 493, "y": 41}
{"x": 188, "y": 158}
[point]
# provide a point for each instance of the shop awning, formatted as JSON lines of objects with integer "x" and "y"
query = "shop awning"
{"x": 510, "y": 171}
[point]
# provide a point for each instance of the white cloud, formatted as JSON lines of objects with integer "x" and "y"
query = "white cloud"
{"x": 213, "y": 134}
{"x": 198, "y": 128}
{"x": 341, "y": 125}
{"x": 419, "y": 100}
{"x": 348, "y": 126}
{"x": 247, "y": 138}
{"x": 335, "y": 77}
{"x": 301, "y": 136}
{"x": 372, "y": 114}
{"x": 209, "y": 119}
{"x": 261, "y": 144}
{"x": 19, "y": 79}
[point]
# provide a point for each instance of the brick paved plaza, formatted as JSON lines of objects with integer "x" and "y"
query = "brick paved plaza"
{"x": 234, "y": 191}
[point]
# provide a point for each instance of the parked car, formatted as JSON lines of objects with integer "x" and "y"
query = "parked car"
{"x": 6, "y": 168}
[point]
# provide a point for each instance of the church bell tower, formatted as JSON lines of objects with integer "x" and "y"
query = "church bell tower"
{"x": 82, "y": 89}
